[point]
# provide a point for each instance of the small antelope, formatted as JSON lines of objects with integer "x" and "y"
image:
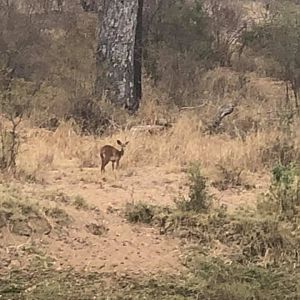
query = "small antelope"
{"x": 109, "y": 153}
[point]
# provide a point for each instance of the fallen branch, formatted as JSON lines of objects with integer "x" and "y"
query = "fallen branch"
{"x": 192, "y": 107}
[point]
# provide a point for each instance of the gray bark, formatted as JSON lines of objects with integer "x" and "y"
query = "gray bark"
{"x": 119, "y": 50}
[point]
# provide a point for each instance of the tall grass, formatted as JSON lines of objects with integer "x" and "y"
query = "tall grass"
{"x": 183, "y": 143}
{"x": 252, "y": 137}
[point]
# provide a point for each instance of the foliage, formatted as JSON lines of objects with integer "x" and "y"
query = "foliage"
{"x": 234, "y": 281}
{"x": 282, "y": 151}
{"x": 283, "y": 197}
{"x": 21, "y": 214}
{"x": 14, "y": 203}
{"x": 176, "y": 36}
{"x": 14, "y": 104}
{"x": 230, "y": 177}
{"x": 80, "y": 203}
{"x": 279, "y": 39}
{"x": 139, "y": 213}
{"x": 60, "y": 216}
{"x": 208, "y": 279}
{"x": 226, "y": 25}
{"x": 205, "y": 277}
{"x": 183, "y": 40}
{"x": 88, "y": 114}
{"x": 199, "y": 198}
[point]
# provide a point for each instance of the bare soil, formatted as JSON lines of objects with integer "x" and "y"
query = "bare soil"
{"x": 99, "y": 238}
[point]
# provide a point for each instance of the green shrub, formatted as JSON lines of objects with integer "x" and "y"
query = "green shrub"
{"x": 235, "y": 281}
{"x": 199, "y": 200}
{"x": 139, "y": 213}
{"x": 283, "y": 197}
{"x": 60, "y": 216}
{"x": 80, "y": 203}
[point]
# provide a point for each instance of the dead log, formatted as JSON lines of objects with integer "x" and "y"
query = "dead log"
{"x": 223, "y": 111}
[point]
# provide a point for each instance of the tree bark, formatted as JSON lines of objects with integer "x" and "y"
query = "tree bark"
{"x": 119, "y": 53}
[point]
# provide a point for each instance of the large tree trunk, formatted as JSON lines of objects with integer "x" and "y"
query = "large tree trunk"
{"x": 119, "y": 52}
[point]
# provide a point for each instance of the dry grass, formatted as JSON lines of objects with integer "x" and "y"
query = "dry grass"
{"x": 184, "y": 143}
{"x": 252, "y": 128}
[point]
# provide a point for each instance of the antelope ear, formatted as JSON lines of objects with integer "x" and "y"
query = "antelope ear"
{"x": 119, "y": 142}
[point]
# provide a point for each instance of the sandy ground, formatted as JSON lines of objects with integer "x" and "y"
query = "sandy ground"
{"x": 123, "y": 248}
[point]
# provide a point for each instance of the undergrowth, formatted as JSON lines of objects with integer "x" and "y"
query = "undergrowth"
{"x": 199, "y": 199}
{"x": 206, "y": 278}
{"x": 232, "y": 255}
{"x": 248, "y": 236}
{"x": 139, "y": 212}
{"x": 14, "y": 206}
{"x": 283, "y": 196}
{"x": 238, "y": 255}
{"x": 24, "y": 214}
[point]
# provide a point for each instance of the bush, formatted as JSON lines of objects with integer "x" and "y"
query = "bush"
{"x": 199, "y": 199}
{"x": 60, "y": 216}
{"x": 234, "y": 281}
{"x": 282, "y": 150}
{"x": 139, "y": 213}
{"x": 9, "y": 146}
{"x": 80, "y": 203}
{"x": 14, "y": 106}
{"x": 283, "y": 197}
{"x": 20, "y": 213}
{"x": 89, "y": 116}
{"x": 278, "y": 39}
{"x": 230, "y": 177}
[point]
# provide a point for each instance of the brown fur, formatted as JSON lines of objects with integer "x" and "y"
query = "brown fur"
{"x": 109, "y": 153}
